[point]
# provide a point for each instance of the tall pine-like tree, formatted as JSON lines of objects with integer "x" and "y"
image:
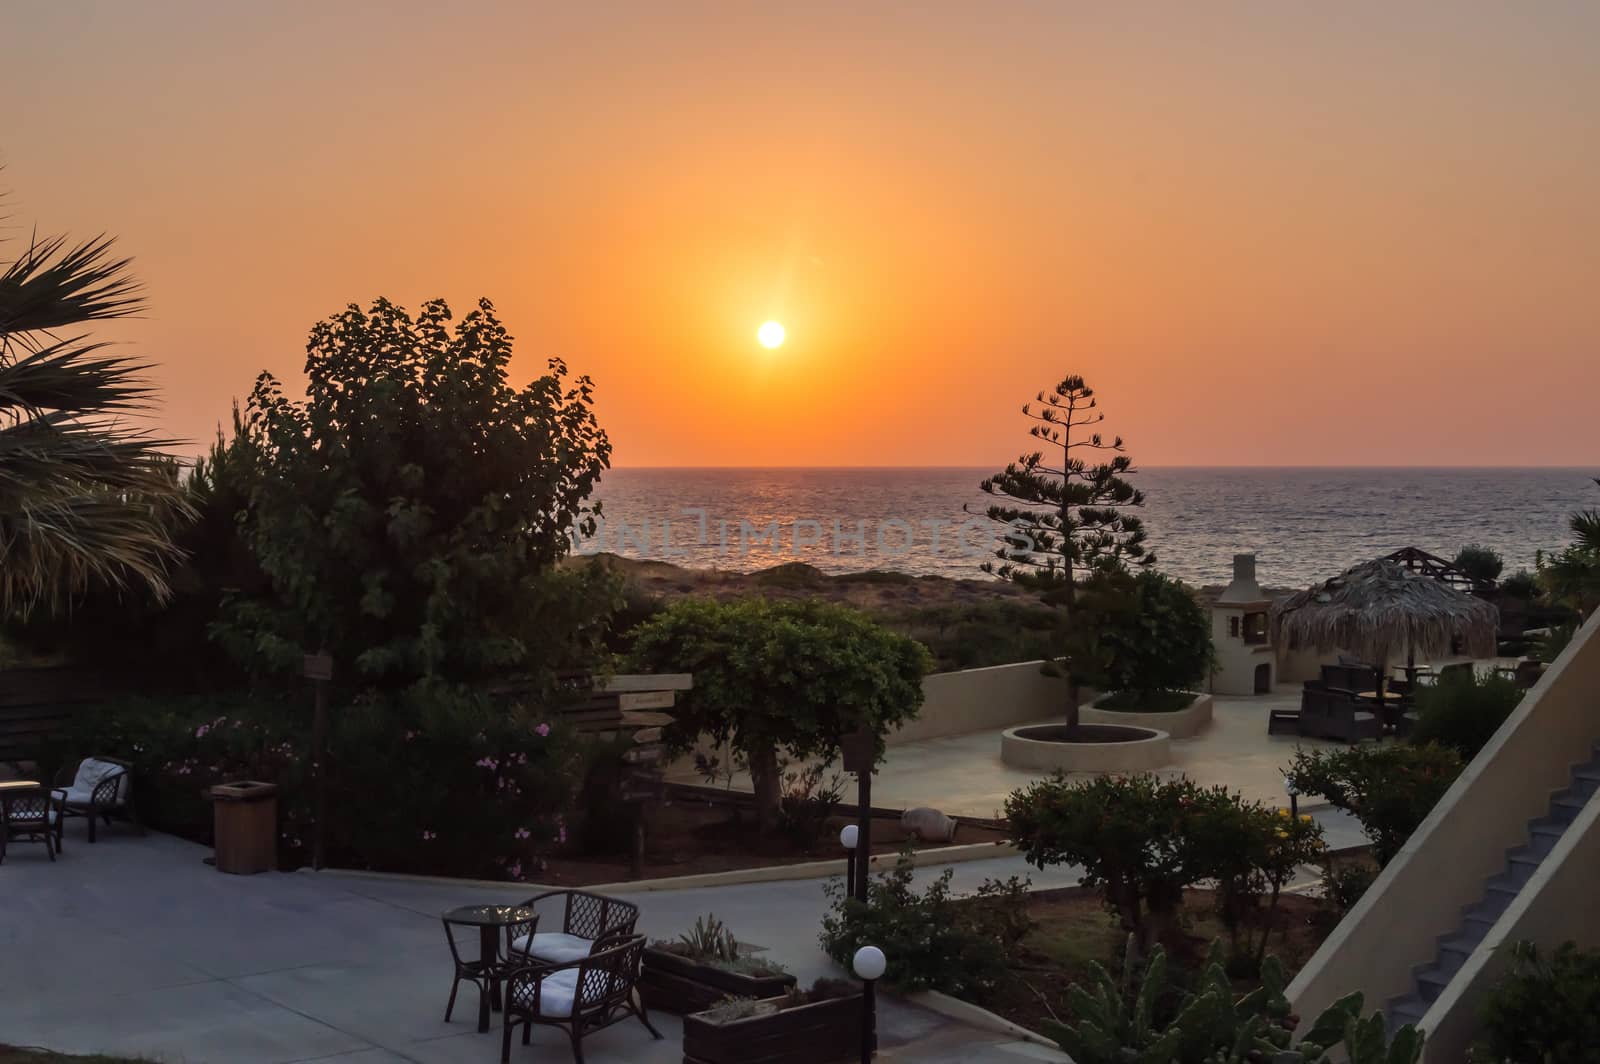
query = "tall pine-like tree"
{"x": 1066, "y": 512}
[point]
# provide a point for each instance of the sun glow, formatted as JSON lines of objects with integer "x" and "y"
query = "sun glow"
{"x": 771, "y": 335}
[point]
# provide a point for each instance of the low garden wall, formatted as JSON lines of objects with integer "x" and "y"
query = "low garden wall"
{"x": 1184, "y": 723}
{"x": 974, "y": 700}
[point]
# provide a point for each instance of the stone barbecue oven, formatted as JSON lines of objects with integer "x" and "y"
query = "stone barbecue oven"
{"x": 1246, "y": 663}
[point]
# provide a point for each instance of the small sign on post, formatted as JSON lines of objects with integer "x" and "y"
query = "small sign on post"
{"x": 859, "y": 750}
{"x": 318, "y": 666}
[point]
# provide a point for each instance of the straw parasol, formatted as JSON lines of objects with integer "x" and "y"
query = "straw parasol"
{"x": 1379, "y": 607}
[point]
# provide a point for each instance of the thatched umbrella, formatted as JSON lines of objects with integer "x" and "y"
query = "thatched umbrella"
{"x": 1378, "y": 607}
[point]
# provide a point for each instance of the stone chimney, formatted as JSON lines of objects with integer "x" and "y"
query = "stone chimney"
{"x": 1244, "y": 588}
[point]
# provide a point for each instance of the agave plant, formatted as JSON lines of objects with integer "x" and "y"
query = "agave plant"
{"x": 84, "y": 496}
{"x": 1117, "y": 1021}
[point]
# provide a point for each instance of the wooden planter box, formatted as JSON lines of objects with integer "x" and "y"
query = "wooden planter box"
{"x": 811, "y": 1034}
{"x": 679, "y": 985}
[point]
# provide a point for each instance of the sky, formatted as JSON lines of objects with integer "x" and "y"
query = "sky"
{"x": 1268, "y": 234}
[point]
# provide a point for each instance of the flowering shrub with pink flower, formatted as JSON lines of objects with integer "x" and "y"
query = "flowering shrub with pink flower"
{"x": 435, "y": 781}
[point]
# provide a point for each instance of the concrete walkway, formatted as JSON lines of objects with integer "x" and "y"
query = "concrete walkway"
{"x": 134, "y": 946}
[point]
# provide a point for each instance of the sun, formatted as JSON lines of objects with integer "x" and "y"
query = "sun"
{"x": 771, "y": 334}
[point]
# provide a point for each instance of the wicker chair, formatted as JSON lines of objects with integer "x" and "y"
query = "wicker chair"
{"x": 580, "y": 997}
{"x": 100, "y": 786}
{"x": 31, "y": 814}
{"x": 586, "y": 918}
{"x": 484, "y": 973}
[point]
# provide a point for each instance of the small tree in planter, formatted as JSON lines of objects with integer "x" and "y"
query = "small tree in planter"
{"x": 1145, "y": 639}
{"x": 1129, "y": 834}
{"x": 780, "y": 679}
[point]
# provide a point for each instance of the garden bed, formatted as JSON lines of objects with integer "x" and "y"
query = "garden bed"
{"x": 690, "y": 838}
{"x": 814, "y": 1033}
{"x": 672, "y": 982}
{"x": 1181, "y": 714}
{"x": 1073, "y": 930}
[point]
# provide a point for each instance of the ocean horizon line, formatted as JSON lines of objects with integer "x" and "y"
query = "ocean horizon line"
{"x": 1589, "y": 470}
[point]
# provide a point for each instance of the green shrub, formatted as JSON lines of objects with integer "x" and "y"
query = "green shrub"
{"x": 1554, "y": 641}
{"x": 931, "y": 942}
{"x": 1389, "y": 788}
{"x": 1544, "y": 1009}
{"x": 1521, "y": 585}
{"x": 1480, "y": 562}
{"x": 1345, "y": 882}
{"x": 1146, "y": 701}
{"x": 1141, "y": 841}
{"x": 434, "y": 781}
{"x": 1464, "y": 710}
{"x": 1143, "y": 633}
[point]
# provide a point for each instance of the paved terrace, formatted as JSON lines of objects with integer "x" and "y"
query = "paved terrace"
{"x": 134, "y": 946}
{"x": 962, "y": 774}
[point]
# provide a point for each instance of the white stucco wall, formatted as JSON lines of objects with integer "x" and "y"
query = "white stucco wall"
{"x": 958, "y": 703}
{"x": 1442, "y": 868}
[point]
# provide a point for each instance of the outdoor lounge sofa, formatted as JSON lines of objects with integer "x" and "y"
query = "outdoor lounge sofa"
{"x": 586, "y": 918}
{"x": 1326, "y": 713}
{"x": 100, "y": 787}
{"x": 581, "y": 996}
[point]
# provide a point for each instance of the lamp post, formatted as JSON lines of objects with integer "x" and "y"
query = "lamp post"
{"x": 868, "y": 964}
{"x": 847, "y": 839}
{"x": 1294, "y": 795}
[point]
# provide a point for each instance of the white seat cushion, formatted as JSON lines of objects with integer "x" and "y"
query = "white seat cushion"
{"x": 90, "y": 772}
{"x": 77, "y": 795}
{"x": 553, "y": 947}
{"x": 556, "y": 992}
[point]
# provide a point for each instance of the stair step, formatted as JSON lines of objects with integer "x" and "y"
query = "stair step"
{"x": 1569, "y": 800}
{"x": 1461, "y": 944}
{"x": 1404, "y": 1010}
{"x": 1431, "y": 982}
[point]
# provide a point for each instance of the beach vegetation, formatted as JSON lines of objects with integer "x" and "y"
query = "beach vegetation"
{"x": 1480, "y": 562}
{"x": 1522, "y": 584}
{"x": 780, "y": 681}
{"x": 1571, "y": 576}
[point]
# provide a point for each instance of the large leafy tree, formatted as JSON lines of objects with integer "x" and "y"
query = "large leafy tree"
{"x": 85, "y": 495}
{"x": 780, "y": 679}
{"x": 1066, "y": 508}
{"x": 410, "y": 512}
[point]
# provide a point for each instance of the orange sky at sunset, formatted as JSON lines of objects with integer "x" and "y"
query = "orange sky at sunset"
{"x": 1267, "y": 233}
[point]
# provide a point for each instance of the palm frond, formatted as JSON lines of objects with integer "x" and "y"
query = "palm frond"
{"x": 52, "y": 286}
{"x": 73, "y": 377}
{"x": 57, "y": 545}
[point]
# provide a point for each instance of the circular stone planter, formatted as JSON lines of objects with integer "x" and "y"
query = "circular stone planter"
{"x": 1095, "y": 748}
{"x": 1183, "y": 723}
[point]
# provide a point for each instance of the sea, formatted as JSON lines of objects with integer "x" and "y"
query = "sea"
{"x": 1303, "y": 524}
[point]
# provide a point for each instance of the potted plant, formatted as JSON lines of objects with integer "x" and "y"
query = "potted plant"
{"x": 703, "y": 967}
{"x": 801, "y": 1027}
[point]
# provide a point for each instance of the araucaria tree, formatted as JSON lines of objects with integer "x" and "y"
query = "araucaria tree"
{"x": 409, "y": 513}
{"x": 1066, "y": 516}
{"x": 85, "y": 497}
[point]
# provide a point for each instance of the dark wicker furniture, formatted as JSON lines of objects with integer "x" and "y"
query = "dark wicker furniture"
{"x": 491, "y": 965}
{"x": 585, "y": 918}
{"x": 28, "y": 811}
{"x": 1335, "y": 714}
{"x": 99, "y": 787}
{"x": 580, "y": 997}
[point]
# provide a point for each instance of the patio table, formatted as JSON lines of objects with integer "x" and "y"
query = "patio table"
{"x": 489, "y": 920}
{"x": 7, "y": 789}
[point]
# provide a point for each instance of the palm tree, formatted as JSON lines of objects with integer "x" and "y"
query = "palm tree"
{"x": 84, "y": 496}
{"x": 1572, "y": 575}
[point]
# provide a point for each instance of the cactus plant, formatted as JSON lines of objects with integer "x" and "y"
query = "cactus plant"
{"x": 1116, "y": 1021}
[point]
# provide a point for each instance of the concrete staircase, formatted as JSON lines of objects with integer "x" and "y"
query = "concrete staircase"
{"x": 1454, "y": 948}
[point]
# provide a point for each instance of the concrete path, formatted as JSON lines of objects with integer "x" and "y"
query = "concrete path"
{"x": 134, "y": 946}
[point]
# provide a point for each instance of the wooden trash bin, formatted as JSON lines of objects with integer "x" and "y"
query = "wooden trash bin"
{"x": 246, "y": 826}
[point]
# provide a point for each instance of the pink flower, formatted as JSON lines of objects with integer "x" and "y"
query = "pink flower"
{"x": 561, "y": 835}
{"x": 515, "y": 870}
{"x": 428, "y": 836}
{"x": 199, "y": 733}
{"x": 543, "y": 730}
{"x": 521, "y": 833}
